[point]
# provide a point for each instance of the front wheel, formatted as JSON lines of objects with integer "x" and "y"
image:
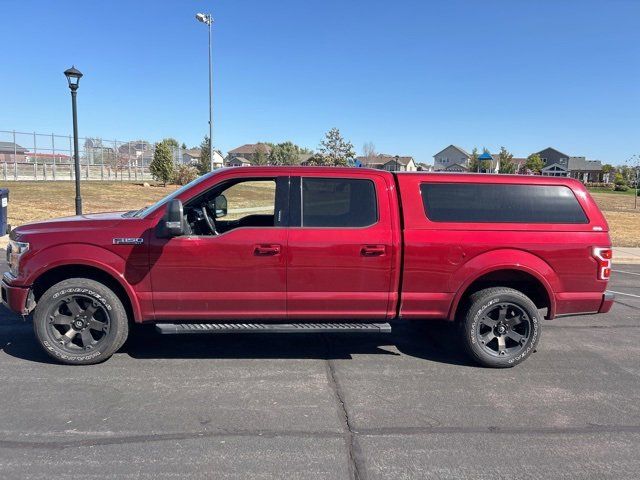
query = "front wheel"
{"x": 501, "y": 327}
{"x": 80, "y": 322}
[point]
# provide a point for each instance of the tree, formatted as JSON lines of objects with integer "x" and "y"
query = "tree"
{"x": 183, "y": 146}
{"x": 473, "y": 160}
{"x": 369, "y": 152}
{"x": 534, "y": 163}
{"x": 161, "y": 166}
{"x": 286, "y": 153}
{"x": 317, "y": 160}
{"x": 204, "y": 164}
{"x": 172, "y": 142}
{"x": 335, "y": 150}
{"x": 261, "y": 157}
{"x": 505, "y": 157}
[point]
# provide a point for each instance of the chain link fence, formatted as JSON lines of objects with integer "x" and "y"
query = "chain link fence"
{"x": 41, "y": 156}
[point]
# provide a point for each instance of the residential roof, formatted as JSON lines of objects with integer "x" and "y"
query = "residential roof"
{"x": 250, "y": 149}
{"x": 384, "y": 158}
{"x": 239, "y": 159}
{"x": 564, "y": 155}
{"x": 582, "y": 164}
{"x": 10, "y": 147}
{"x": 461, "y": 150}
{"x": 456, "y": 167}
{"x": 193, "y": 152}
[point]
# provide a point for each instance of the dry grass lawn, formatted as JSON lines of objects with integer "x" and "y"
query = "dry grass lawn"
{"x": 32, "y": 201}
{"x": 623, "y": 219}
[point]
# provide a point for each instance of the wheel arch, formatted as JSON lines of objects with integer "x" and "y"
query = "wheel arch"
{"x": 111, "y": 279}
{"x": 509, "y": 268}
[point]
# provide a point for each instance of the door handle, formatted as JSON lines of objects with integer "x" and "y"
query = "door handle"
{"x": 373, "y": 250}
{"x": 266, "y": 250}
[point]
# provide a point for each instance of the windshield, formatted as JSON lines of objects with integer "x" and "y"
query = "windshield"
{"x": 146, "y": 210}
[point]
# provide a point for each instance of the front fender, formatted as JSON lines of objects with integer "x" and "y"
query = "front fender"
{"x": 49, "y": 258}
{"x": 504, "y": 259}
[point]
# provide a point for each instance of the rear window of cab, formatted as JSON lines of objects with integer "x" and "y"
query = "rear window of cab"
{"x": 501, "y": 203}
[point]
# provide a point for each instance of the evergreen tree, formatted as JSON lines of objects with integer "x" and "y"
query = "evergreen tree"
{"x": 204, "y": 163}
{"x": 335, "y": 150}
{"x": 161, "y": 166}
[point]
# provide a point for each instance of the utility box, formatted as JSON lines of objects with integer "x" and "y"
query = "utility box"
{"x": 4, "y": 207}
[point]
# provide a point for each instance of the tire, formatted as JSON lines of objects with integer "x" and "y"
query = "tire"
{"x": 501, "y": 328}
{"x": 80, "y": 322}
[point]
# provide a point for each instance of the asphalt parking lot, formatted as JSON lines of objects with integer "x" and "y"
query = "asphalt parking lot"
{"x": 401, "y": 405}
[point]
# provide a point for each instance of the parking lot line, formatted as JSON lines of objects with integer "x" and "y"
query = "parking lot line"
{"x": 628, "y": 273}
{"x": 622, "y": 293}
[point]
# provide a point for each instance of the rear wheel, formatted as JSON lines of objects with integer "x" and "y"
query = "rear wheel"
{"x": 80, "y": 322}
{"x": 501, "y": 327}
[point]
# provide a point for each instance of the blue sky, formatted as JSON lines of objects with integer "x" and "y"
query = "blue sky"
{"x": 410, "y": 76}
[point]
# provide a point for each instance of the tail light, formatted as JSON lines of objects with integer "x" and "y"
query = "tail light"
{"x": 603, "y": 257}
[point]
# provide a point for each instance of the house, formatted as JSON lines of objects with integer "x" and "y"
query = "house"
{"x": 249, "y": 152}
{"x": 451, "y": 159}
{"x": 558, "y": 164}
{"x": 191, "y": 156}
{"x": 238, "y": 162}
{"x": 12, "y": 152}
{"x": 391, "y": 163}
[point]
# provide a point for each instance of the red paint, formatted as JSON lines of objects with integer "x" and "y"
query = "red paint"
{"x": 405, "y": 266}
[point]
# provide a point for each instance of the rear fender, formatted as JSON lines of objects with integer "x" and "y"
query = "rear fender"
{"x": 504, "y": 259}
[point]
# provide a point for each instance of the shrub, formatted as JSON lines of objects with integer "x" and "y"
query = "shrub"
{"x": 599, "y": 185}
{"x": 621, "y": 188}
{"x": 184, "y": 174}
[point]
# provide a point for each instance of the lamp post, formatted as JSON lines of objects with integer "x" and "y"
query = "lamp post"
{"x": 73, "y": 77}
{"x": 207, "y": 19}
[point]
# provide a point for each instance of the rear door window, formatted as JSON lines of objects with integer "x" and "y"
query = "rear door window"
{"x": 338, "y": 202}
{"x": 501, "y": 203}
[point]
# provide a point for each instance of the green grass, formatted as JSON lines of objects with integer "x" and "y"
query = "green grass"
{"x": 631, "y": 191}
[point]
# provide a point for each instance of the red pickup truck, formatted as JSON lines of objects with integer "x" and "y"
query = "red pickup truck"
{"x": 304, "y": 249}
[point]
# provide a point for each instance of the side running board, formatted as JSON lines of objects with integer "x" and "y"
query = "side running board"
{"x": 182, "y": 328}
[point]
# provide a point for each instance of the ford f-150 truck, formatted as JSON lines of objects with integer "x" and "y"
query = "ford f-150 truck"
{"x": 306, "y": 249}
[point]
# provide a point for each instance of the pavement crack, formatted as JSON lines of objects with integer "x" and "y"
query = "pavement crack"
{"x": 356, "y": 464}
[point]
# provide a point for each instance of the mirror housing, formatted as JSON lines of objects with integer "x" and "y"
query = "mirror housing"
{"x": 173, "y": 220}
{"x": 221, "y": 206}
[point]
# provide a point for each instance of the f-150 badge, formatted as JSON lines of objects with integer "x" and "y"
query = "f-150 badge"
{"x": 128, "y": 241}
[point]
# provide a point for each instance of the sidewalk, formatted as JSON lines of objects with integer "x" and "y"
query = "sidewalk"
{"x": 626, "y": 255}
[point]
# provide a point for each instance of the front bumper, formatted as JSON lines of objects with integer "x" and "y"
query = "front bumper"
{"x": 17, "y": 299}
{"x": 607, "y": 302}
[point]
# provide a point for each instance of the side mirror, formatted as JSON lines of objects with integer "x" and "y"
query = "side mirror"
{"x": 173, "y": 221}
{"x": 221, "y": 206}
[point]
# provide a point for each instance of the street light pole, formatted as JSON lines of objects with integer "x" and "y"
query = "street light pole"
{"x": 207, "y": 19}
{"x": 73, "y": 77}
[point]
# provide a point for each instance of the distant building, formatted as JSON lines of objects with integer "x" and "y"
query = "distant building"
{"x": 388, "y": 162}
{"x": 48, "y": 158}
{"x": 248, "y": 152}
{"x": 191, "y": 156}
{"x": 12, "y": 152}
{"x": 559, "y": 164}
{"x": 451, "y": 159}
{"x": 238, "y": 162}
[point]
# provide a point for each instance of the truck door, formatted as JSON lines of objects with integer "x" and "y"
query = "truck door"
{"x": 340, "y": 251}
{"x": 238, "y": 272}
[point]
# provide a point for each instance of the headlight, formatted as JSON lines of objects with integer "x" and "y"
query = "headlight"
{"x": 15, "y": 250}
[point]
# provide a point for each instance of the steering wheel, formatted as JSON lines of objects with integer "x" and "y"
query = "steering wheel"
{"x": 209, "y": 220}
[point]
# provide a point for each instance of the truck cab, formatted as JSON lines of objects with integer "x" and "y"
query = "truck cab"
{"x": 318, "y": 249}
